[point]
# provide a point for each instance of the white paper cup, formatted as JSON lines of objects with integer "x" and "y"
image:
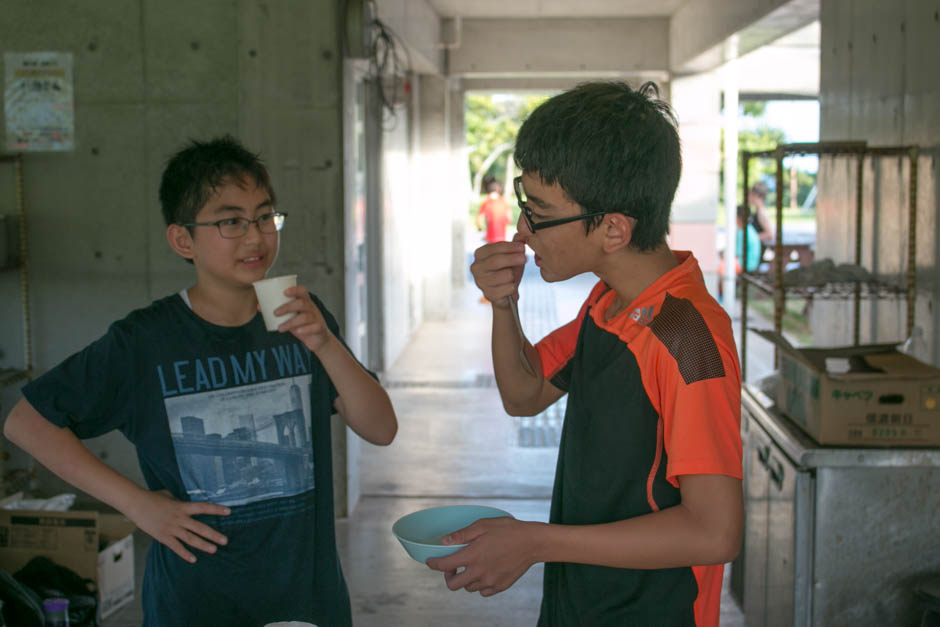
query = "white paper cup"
{"x": 271, "y": 296}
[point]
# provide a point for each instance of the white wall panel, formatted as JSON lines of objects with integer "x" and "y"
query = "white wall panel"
{"x": 559, "y": 46}
{"x": 879, "y": 87}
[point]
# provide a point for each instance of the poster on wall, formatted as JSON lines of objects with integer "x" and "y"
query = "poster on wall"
{"x": 37, "y": 101}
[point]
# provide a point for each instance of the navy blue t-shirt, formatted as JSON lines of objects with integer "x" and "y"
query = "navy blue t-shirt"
{"x": 237, "y": 416}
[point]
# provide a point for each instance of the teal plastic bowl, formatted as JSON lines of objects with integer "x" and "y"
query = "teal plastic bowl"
{"x": 421, "y": 532}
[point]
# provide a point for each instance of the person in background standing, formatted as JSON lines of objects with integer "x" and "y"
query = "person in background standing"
{"x": 495, "y": 211}
{"x": 756, "y": 198}
{"x": 497, "y": 214}
{"x": 754, "y": 249}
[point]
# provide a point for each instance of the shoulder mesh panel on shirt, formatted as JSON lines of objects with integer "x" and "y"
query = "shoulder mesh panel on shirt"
{"x": 682, "y": 329}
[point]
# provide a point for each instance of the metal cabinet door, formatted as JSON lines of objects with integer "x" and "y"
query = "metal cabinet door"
{"x": 738, "y": 575}
{"x": 770, "y": 482}
{"x": 756, "y": 512}
{"x": 781, "y": 520}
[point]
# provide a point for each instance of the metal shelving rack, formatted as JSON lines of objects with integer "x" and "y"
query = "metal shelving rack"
{"x": 9, "y": 376}
{"x": 858, "y": 291}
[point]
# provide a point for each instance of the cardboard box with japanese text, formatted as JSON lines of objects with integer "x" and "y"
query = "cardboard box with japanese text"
{"x": 868, "y": 395}
{"x": 97, "y": 546}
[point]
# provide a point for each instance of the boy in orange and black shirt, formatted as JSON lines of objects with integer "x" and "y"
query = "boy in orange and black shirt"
{"x": 647, "y": 502}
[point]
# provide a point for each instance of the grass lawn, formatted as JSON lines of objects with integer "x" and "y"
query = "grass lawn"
{"x": 795, "y": 321}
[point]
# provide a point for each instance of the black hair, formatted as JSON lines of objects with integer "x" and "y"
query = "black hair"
{"x": 485, "y": 183}
{"x": 494, "y": 186}
{"x": 610, "y": 148}
{"x": 194, "y": 174}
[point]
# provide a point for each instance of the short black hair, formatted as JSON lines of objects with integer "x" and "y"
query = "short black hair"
{"x": 610, "y": 148}
{"x": 485, "y": 183}
{"x": 196, "y": 171}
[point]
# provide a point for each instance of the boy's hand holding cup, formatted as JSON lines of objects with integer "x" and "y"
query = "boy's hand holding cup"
{"x": 307, "y": 324}
{"x": 271, "y": 295}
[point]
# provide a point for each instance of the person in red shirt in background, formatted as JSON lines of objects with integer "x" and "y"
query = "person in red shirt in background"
{"x": 497, "y": 214}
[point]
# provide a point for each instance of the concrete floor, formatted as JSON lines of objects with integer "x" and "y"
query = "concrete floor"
{"x": 455, "y": 445}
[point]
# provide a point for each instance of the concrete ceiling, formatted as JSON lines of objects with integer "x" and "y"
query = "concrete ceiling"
{"x": 554, "y": 39}
{"x": 795, "y": 62}
{"x": 555, "y": 8}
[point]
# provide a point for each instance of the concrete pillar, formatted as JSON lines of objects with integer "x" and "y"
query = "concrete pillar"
{"x": 729, "y": 81}
{"x": 460, "y": 180}
{"x": 434, "y": 232}
{"x": 696, "y": 100}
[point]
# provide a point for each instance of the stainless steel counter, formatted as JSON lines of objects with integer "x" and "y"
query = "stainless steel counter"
{"x": 833, "y": 535}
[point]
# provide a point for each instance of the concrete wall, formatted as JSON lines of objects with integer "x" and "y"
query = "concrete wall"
{"x": 877, "y": 85}
{"x": 417, "y": 239}
{"x": 148, "y": 76}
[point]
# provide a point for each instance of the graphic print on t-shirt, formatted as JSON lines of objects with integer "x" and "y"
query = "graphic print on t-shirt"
{"x": 244, "y": 444}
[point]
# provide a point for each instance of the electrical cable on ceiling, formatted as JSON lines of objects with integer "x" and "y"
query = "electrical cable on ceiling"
{"x": 385, "y": 60}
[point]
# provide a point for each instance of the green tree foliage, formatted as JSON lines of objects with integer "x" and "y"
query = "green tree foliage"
{"x": 806, "y": 181}
{"x": 764, "y": 169}
{"x": 492, "y": 122}
{"x": 754, "y": 108}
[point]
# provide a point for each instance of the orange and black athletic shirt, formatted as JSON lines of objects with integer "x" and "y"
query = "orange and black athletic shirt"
{"x": 654, "y": 393}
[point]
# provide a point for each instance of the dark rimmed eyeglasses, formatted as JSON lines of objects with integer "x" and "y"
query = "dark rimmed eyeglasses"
{"x": 537, "y": 226}
{"x": 233, "y": 228}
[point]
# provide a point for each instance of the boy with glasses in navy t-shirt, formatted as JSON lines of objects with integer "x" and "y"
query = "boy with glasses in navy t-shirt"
{"x": 231, "y": 422}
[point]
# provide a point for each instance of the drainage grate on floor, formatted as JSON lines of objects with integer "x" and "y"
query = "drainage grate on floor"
{"x": 481, "y": 381}
{"x": 542, "y": 430}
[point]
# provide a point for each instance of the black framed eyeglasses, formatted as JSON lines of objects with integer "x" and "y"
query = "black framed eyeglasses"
{"x": 233, "y": 228}
{"x": 537, "y": 226}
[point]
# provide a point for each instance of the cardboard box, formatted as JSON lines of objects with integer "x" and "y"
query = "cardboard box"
{"x": 72, "y": 539}
{"x": 869, "y": 395}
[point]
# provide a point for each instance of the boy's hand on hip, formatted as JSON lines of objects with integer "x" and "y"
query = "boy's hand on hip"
{"x": 497, "y": 270}
{"x": 171, "y": 523}
{"x": 499, "y": 553}
{"x": 308, "y": 324}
